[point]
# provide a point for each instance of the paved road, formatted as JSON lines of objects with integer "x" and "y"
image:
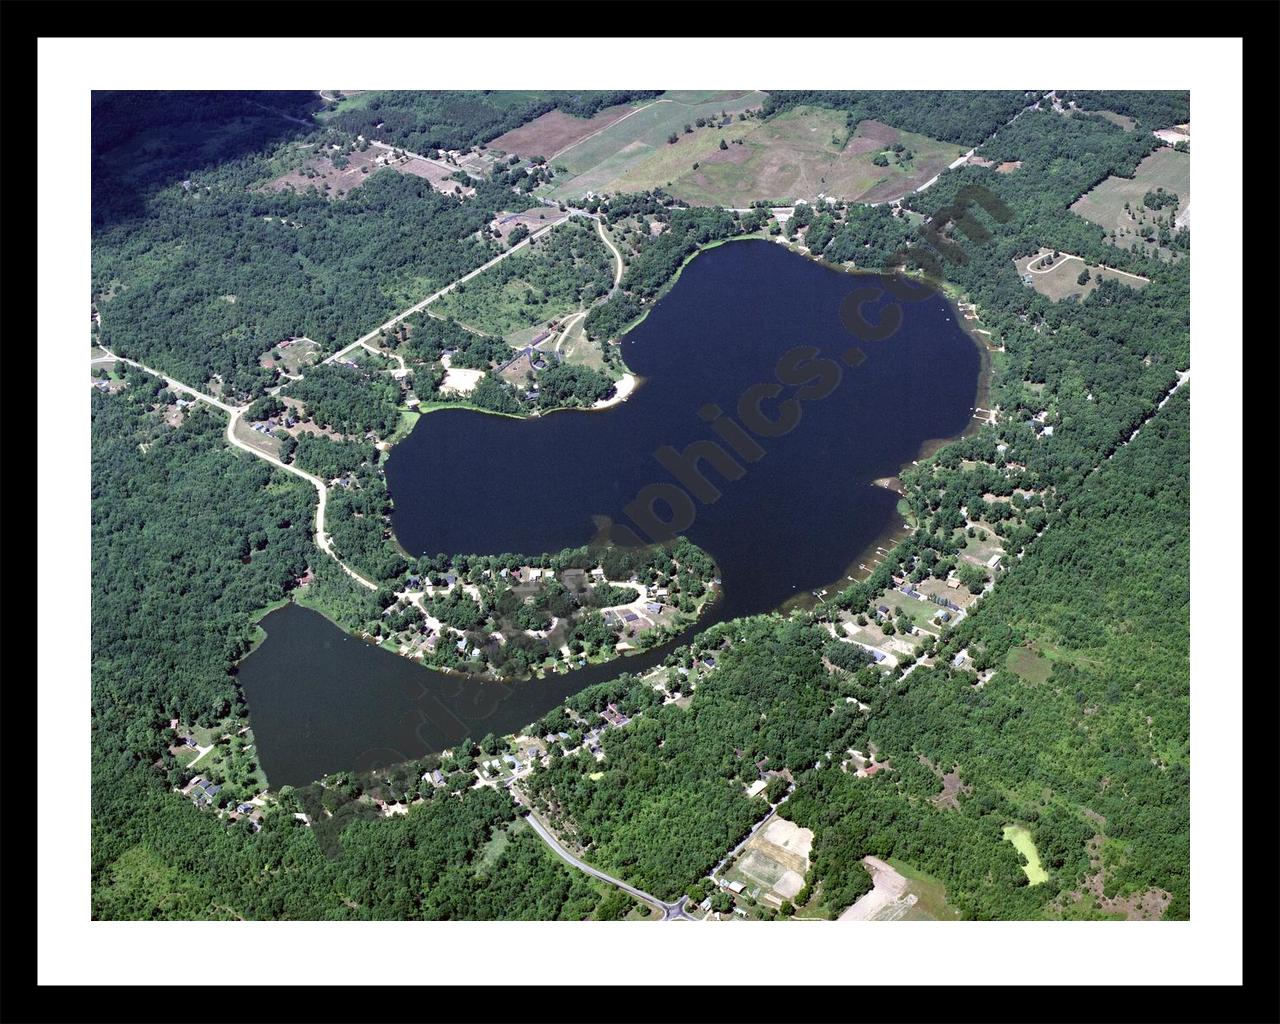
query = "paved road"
{"x": 670, "y": 911}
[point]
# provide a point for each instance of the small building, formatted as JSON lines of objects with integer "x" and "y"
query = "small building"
{"x": 735, "y": 887}
{"x": 993, "y": 562}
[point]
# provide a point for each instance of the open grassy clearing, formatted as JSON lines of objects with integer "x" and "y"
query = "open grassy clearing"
{"x": 1104, "y": 205}
{"x": 596, "y": 162}
{"x": 1027, "y": 663}
{"x": 1124, "y": 122}
{"x": 494, "y": 848}
{"x": 292, "y": 355}
{"x": 1061, "y": 279}
{"x": 931, "y": 895}
{"x": 800, "y": 154}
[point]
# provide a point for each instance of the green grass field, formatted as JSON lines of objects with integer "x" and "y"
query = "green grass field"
{"x": 1062, "y": 280}
{"x": 931, "y": 895}
{"x": 797, "y": 155}
{"x": 597, "y": 162}
{"x": 1104, "y": 204}
{"x": 1025, "y": 845}
{"x": 1029, "y": 665}
{"x": 800, "y": 154}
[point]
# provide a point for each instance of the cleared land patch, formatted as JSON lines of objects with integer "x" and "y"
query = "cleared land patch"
{"x": 802, "y": 154}
{"x": 1138, "y": 226}
{"x": 888, "y": 900}
{"x": 1028, "y": 664}
{"x": 599, "y": 161}
{"x": 336, "y": 181}
{"x": 773, "y": 864}
{"x": 1059, "y": 278}
{"x": 555, "y": 131}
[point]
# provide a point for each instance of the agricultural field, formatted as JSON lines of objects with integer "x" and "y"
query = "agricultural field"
{"x": 797, "y": 156}
{"x": 602, "y": 161}
{"x": 555, "y": 131}
{"x": 1105, "y": 205}
{"x": 1060, "y": 279}
{"x": 561, "y": 273}
{"x": 801, "y": 154}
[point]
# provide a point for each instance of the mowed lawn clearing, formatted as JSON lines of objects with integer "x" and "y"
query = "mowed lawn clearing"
{"x": 1061, "y": 279}
{"x": 1104, "y": 205}
{"x": 797, "y": 155}
{"x": 1027, "y": 663}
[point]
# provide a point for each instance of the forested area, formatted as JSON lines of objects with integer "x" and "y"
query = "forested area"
{"x": 348, "y": 400}
{"x": 212, "y": 278}
{"x": 459, "y": 119}
{"x": 1151, "y": 108}
{"x": 328, "y": 459}
{"x": 965, "y": 117}
{"x": 671, "y": 801}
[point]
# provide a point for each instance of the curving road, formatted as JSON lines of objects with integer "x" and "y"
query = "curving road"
{"x": 670, "y": 911}
{"x": 234, "y": 413}
{"x": 617, "y": 256}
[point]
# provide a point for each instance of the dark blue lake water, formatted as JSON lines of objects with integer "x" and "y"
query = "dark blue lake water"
{"x": 785, "y": 505}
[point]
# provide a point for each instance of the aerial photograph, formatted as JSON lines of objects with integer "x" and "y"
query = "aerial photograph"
{"x": 710, "y": 506}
